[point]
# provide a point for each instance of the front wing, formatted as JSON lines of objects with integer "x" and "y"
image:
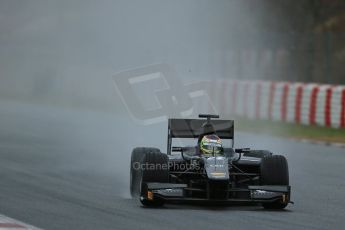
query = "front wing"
{"x": 257, "y": 194}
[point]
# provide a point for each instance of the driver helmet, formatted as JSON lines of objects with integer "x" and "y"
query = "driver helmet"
{"x": 211, "y": 144}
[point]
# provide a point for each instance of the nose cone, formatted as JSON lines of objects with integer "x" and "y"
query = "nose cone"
{"x": 217, "y": 168}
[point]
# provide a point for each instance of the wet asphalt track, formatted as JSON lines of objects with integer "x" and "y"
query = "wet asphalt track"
{"x": 62, "y": 169}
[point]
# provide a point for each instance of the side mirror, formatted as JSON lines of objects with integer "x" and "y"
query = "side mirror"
{"x": 243, "y": 150}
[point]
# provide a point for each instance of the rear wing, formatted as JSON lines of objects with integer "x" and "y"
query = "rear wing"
{"x": 194, "y": 128}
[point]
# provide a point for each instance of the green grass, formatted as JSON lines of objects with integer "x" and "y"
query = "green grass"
{"x": 291, "y": 130}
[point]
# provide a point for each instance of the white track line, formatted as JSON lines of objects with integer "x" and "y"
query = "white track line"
{"x": 12, "y": 224}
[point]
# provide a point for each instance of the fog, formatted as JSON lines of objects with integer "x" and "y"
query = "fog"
{"x": 58, "y": 59}
{"x": 68, "y": 50}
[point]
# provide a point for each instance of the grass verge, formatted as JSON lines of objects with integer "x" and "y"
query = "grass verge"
{"x": 296, "y": 131}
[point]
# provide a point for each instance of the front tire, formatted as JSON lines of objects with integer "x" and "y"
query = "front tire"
{"x": 159, "y": 174}
{"x": 135, "y": 169}
{"x": 274, "y": 171}
{"x": 153, "y": 168}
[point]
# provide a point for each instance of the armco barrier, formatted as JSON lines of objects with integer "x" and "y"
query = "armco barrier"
{"x": 300, "y": 103}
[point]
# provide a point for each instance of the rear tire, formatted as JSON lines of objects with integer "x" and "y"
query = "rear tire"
{"x": 274, "y": 171}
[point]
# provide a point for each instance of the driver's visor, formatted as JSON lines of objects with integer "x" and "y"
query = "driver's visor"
{"x": 212, "y": 146}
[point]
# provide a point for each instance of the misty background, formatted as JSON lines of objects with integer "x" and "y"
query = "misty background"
{"x": 65, "y": 52}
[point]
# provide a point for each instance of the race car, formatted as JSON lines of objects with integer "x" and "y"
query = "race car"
{"x": 208, "y": 169}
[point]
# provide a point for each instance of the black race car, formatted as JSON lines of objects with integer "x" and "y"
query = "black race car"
{"x": 183, "y": 174}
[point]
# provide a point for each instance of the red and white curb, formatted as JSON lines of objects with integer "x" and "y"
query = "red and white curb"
{"x": 12, "y": 224}
{"x": 293, "y": 102}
